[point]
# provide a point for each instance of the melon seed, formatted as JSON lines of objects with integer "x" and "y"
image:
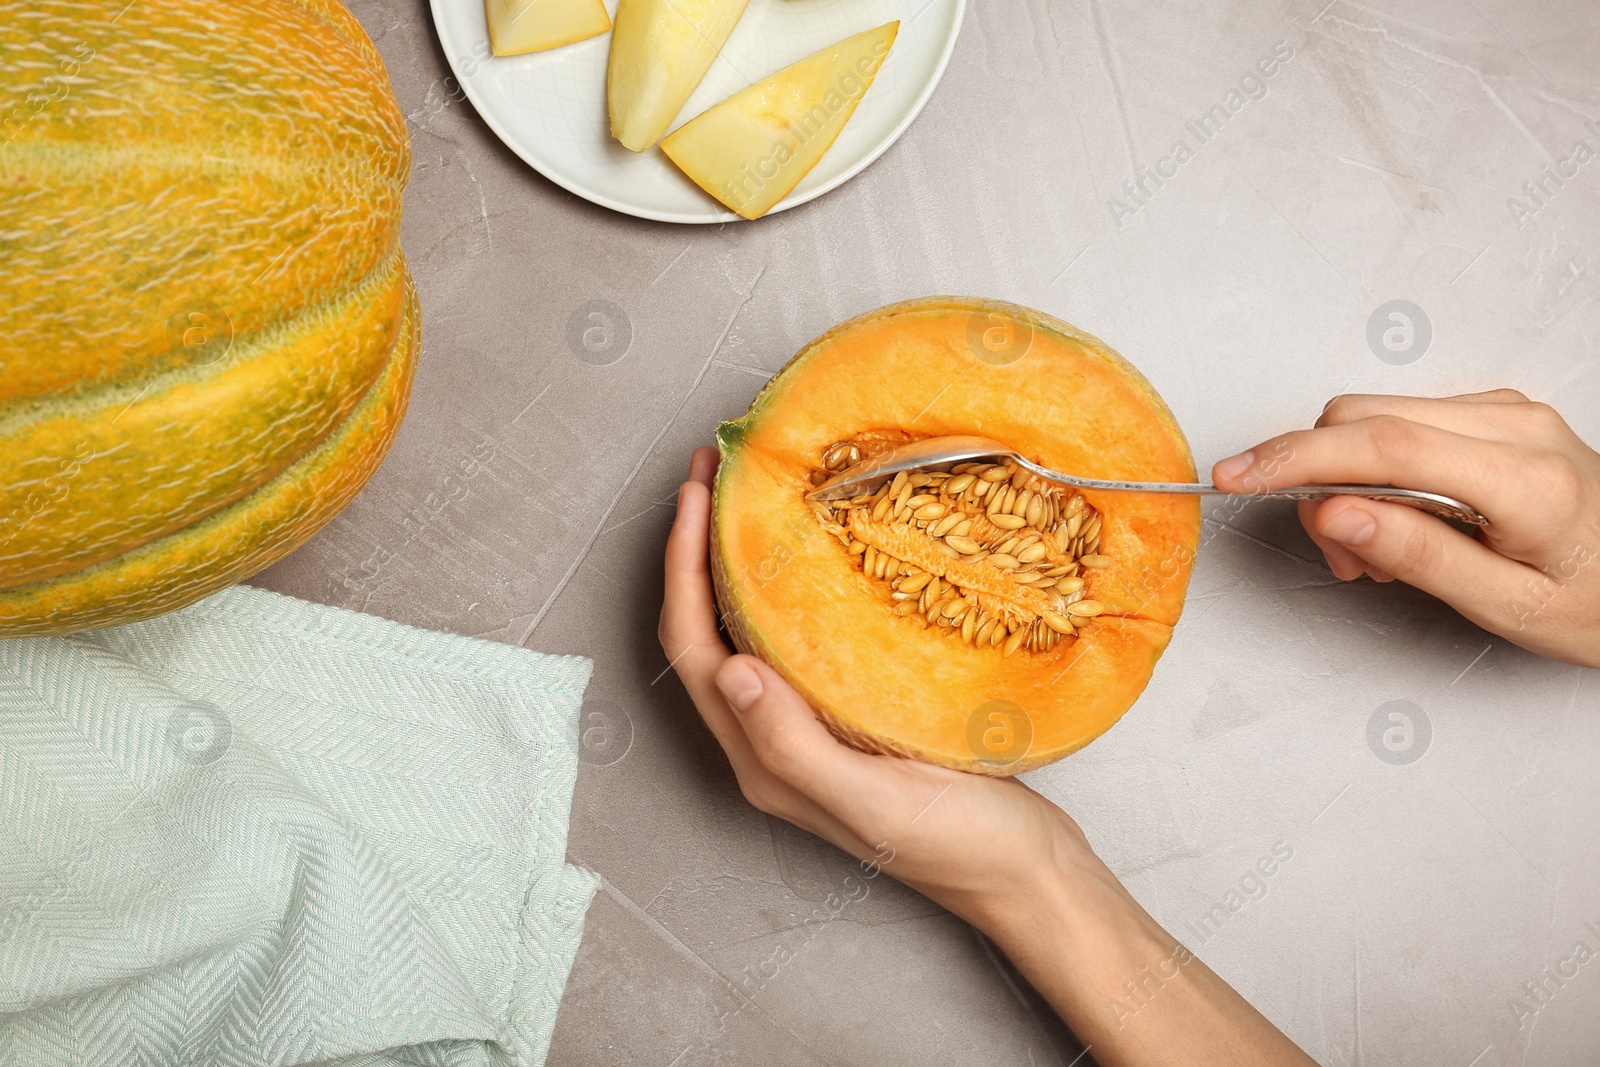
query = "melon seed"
{"x": 1058, "y": 623}
{"x": 1024, "y": 514}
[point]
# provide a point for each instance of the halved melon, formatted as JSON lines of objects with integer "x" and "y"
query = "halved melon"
{"x": 972, "y": 616}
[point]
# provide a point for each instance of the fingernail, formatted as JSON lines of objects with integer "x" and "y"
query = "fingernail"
{"x": 740, "y": 684}
{"x": 1352, "y": 526}
{"x": 1234, "y": 466}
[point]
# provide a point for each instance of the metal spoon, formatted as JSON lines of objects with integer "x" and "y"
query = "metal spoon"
{"x": 871, "y": 472}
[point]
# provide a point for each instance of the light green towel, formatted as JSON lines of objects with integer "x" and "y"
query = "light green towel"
{"x": 262, "y": 831}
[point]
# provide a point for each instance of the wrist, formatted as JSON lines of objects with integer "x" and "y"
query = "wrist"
{"x": 1067, "y": 898}
{"x": 1084, "y": 942}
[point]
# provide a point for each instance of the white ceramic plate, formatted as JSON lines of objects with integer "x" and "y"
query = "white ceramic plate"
{"x": 550, "y": 107}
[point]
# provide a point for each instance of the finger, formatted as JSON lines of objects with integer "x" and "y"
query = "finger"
{"x": 1465, "y": 414}
{"x": 703, "y": 465}
{"x": 1491, "y": 396}
{"x": 1395, "y": 541}
{"x": 688, "y": 614}
{"x": 688, "y": 628}
{"x": 790, "y": 752}
{"x": 793, "y": 744}
{"x": 760, "y": 786}
{"x": 688, "y": 618}
{"x": 1503, "y": 415}
{"x": 1386, "y": 450}
{"x": 1345, "y": 564}
{"x": 689, "y": 637}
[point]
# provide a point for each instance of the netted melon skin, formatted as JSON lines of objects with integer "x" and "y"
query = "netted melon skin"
{"x": 211, "y": 330}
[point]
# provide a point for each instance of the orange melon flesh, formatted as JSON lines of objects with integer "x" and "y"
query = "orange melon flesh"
{"x": 792, "y": 594}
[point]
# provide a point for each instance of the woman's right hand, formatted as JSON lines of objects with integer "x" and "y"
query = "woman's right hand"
{"x": 1532, "y": 575}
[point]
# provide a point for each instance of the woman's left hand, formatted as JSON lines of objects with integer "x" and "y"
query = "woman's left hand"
{"x": 976, "y": 845}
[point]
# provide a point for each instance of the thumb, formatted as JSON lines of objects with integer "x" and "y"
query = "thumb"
{"x": 787, "y": 737}
{"x": 1424, "y": 552}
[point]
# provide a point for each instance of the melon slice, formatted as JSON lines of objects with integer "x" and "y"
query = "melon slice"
{"x": 755, "y": 146}
{"x": 970, "y": 616}
{"x": 659, "y": 52}
{"x": 517, "y": 26}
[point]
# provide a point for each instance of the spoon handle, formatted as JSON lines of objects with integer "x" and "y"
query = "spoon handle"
{"x": 1436, "y": 504}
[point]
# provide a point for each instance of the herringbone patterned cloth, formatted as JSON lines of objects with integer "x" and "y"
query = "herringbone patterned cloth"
{"x": 265, "y": 832}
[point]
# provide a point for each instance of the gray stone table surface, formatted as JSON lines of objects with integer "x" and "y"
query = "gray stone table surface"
{"x": 1412, "y": 150}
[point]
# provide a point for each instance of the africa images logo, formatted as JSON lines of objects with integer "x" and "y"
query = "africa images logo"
{"x": 850, "y": 88}
{"x": 1252, "y": 85}
{"x": 1553, "y": 177}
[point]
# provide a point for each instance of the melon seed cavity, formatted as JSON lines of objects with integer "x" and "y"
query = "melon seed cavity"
{"x": 987, "y": 552}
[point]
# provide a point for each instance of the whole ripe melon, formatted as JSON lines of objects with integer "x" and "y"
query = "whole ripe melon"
{"x": 971, "y": 616}
{"x": 210, "y": 328}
